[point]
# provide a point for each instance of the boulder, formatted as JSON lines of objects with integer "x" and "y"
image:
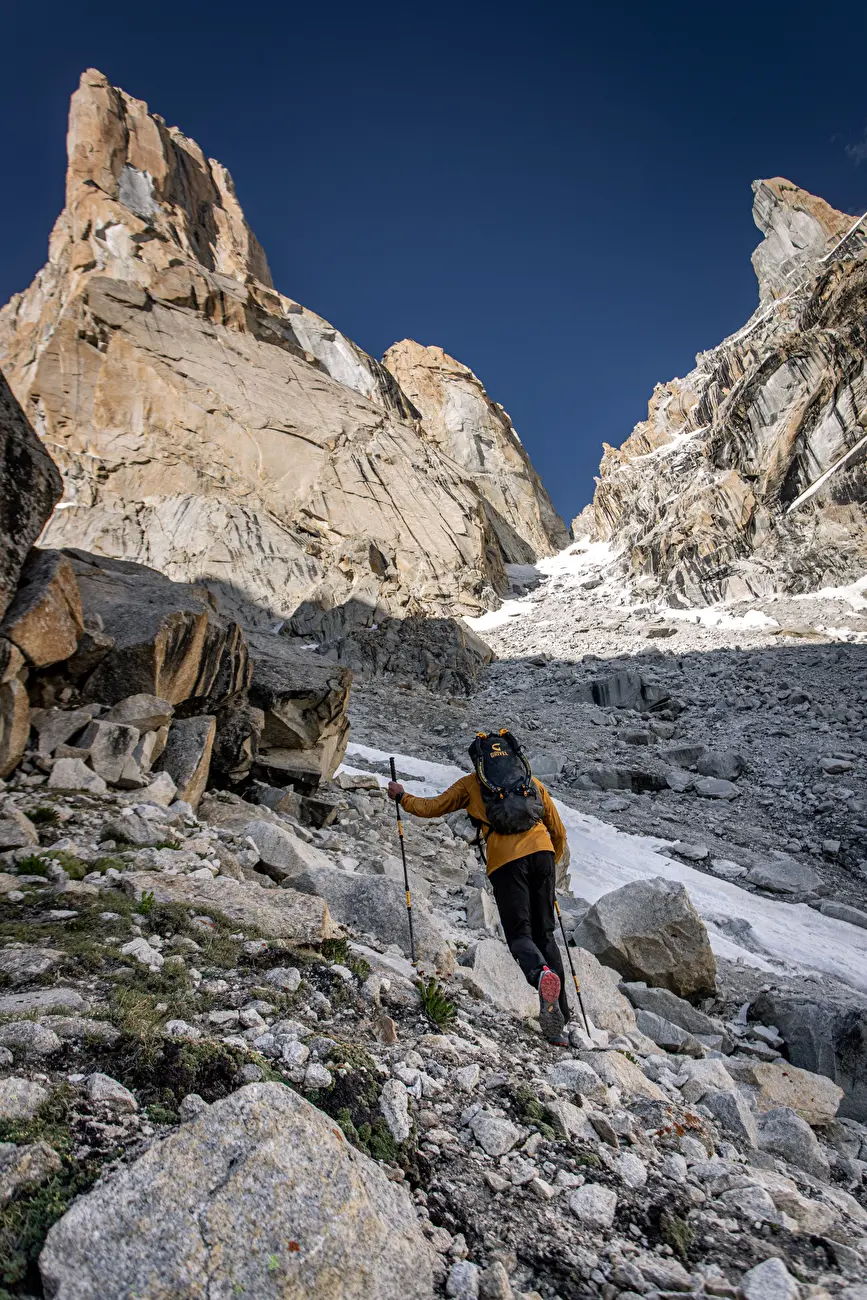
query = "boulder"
{"x": 711, "y": 787}
{"x": 784, "y": 875}
{"x": 20, "y": 1099}
{"x": 144, "y": 712}
{"x": 494, "y": 1134}
{"x": 16, "y": 830}
{"x": 725, "y": 764}
{"x": 30, "y": 486}
{"x": 823, "y": 1037}
{"x": 770, "y": 1280}
{"x": 618, "y": 1071}
{"x": 376, "y": 905}
{"x": 111, "y": 746}
{"x": 649, "y": 930}
{"x": 605, "y": 1005}
{"x": 577, "y": 1077}
{"x": 627, "y": 689}
{"x": 732, "y": 1113}
{"x": 42, "y": 1001}
{"x": 167, "y": 638}
{"x": 14, "y": 707}
{"x": 44, "y": 619}
{"x": 594, "y": 1205}
{"x": 778, "y": 1083}
{"x": 73, "y": 774}
{"x": 702, "y": 1076}
{"x": 259, "y": 1195}
{"x": 277, "y": 914}
{"x": 28, "y": 961}
{"x": 667, "y": 1035}
{"x": 236, "y": 744}
{"x": 304, "y": 700}
{"x": 25, "y": 1166}
{"x": 282, "y": 854}
{"x": 56, "y": 727}
{"x": 785, "y": 1134}
{"x": 674, "y": 1009}
{"x": 497, "y": 977}
{"x": 187, "y": 756}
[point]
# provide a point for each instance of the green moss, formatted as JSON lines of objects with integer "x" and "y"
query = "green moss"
{"x": 532, "y": 1111}
{"x": 25, "y": 1221}
{"x": 160, "y": 1114}
{"x": 676, "y": 1233}
{"x": 44, "y": 816}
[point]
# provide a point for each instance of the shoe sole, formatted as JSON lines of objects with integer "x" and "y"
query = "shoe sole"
{"x": 549, "y": 989}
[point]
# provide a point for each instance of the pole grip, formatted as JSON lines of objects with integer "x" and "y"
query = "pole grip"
{"x": 393, "y": 770}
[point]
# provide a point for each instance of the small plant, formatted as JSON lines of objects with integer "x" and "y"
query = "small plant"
{"x": 38, "y": 864}
{"x": 676, "y": 1233}
{"x": 436, "y": 1006}
{"x": 159, "y": 1114}
{"x": 147, "y": 902}
{"x": 336, "y": 950}
{"x": 44, "y": 816}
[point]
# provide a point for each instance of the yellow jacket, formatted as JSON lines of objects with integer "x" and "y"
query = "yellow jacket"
{"x": 548, "y": 835}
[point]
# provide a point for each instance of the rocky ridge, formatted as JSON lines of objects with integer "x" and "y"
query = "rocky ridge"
{"x": 216, "y": 430}
{"x": 748, "y": 475}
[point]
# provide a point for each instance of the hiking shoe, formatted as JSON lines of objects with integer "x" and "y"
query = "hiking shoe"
{"x": 549, "y": 988}
{"x": 559, "y": 1038}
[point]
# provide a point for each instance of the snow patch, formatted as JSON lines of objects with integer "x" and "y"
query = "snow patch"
{"x": 790, "y": 935}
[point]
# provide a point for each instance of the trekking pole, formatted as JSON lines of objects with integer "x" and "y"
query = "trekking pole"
{"x": 405, "y": 871}
{"x": 572, "y": 968}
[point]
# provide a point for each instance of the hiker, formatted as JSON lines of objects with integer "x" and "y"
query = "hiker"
{"x": 523, "y": 839}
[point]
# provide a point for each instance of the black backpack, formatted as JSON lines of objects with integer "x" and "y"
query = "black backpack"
{"x": 512, "y": 800}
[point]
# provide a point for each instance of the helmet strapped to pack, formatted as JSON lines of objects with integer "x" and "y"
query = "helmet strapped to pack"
{"x": 510, "y": 795}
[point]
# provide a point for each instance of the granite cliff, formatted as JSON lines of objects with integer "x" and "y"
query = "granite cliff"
{"x": 212, "y": 428}
{"x": 748, "y": 475}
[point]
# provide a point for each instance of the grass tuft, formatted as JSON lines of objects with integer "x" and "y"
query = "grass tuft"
{"x": 439, "y": 1009}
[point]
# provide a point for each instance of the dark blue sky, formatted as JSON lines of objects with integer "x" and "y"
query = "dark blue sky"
{"x": 558, "y": 194}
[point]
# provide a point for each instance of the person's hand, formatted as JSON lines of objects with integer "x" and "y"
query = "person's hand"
{"x": 395, "y": 790}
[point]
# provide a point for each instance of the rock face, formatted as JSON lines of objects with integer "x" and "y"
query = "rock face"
{"x": 459, "y": 417}
{"x": 261, "y": 1195}
{"x": 30, "y": 485}
{"x": 650, "y": 931}
{"x": 749, "y": 474}
{"x": 213, "y": 428}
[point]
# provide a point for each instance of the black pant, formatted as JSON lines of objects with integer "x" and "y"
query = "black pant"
{"x": 524, "y": 890}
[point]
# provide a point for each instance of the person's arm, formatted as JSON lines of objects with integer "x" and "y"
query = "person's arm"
{"x": 457, "y": 796}
{"x": 553, "y": 824}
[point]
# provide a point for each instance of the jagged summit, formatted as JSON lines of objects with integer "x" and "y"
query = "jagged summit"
{"x": 462, "y": 420}
{"x": 799, "y": 230}
{"x": 748, "y": 475}
{"x": 217, "y": 430}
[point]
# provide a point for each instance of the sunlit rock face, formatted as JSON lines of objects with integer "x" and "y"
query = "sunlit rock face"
{"x": 748, "y": 475}
{"x": 463, "y": 421}
{"x": 213, "y": 428}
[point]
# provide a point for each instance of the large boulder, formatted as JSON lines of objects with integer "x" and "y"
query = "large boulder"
{"x": 30, "y": 485}
{"x": 649, "y": 930}
{"x": 662, "y": 1002}
{"x": 261, "y": 1195}
{"x": 304, "y": 700}
{"x": 497, "y": 977}
{"x": 160, "y": 637}
{"x": 44, "y": 619}
{"x": 377, "y": 905}
{"x": 823, "y": 1037}
{"x": 187, "y": 756}
{"x": 605, "y": 1005}
{"x": 14, "y": 707}
{"x": 770, "y": 1084}
{"x": 277, "y": 914}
